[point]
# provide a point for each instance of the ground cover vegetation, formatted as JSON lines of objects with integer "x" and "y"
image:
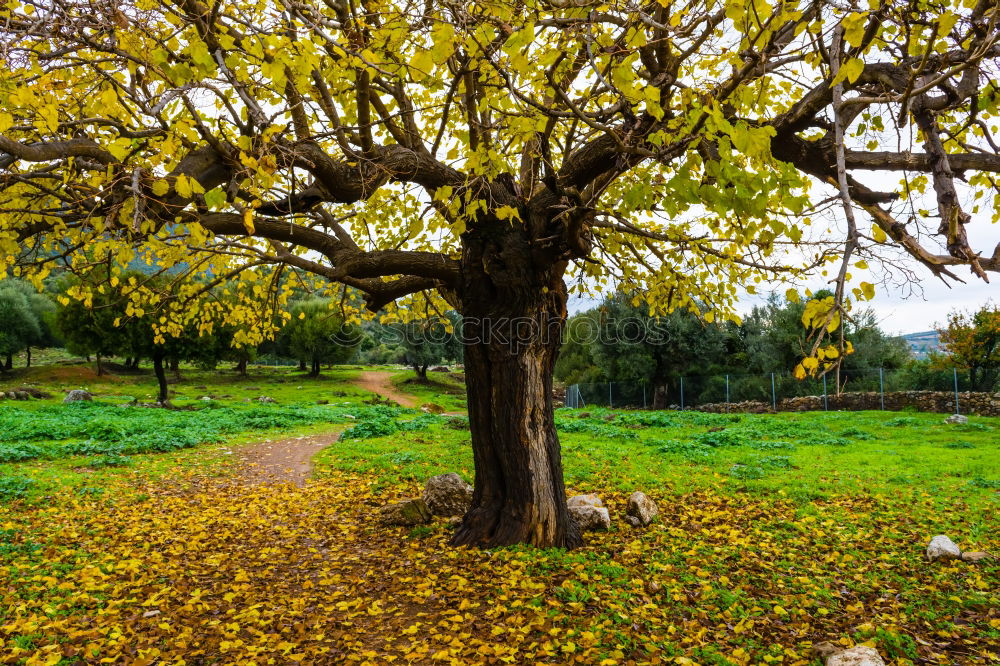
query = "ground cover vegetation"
{"x": 488, "y": 158}
{"x": 776, "y": 532}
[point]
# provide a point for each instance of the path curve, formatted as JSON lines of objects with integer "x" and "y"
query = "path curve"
{"x": 379, "y": 382}
{"x": 284, "y": 460}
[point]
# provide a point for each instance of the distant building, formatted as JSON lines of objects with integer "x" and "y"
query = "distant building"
{"x": 922, "y": 344}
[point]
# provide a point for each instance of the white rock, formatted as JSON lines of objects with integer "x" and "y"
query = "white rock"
{"x": 957, "y": 419}
{"x": 590, "y": 517}
{"x": 76, "y": 395}
{"x": 584, "y": 500}
{"x": 941, "y": 547}
{"x": 447, "y": 495}
{"x": 640, "y": 510}
{"x": 856, "y": 656}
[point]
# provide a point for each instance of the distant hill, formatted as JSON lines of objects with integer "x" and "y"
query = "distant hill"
{"x": 922, "y": 344}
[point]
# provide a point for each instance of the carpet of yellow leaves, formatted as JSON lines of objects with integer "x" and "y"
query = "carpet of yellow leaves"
{"x": 218, "y": 572}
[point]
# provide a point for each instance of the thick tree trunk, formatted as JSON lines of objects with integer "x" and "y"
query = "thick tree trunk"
{"x": 28, "y": 362}
{"x": 241, "y": 367}
{"x": 421, "y": 371}
{"x": 314, "y": 372}
{"x": 514, "y": 307}
{"x": 302, "y": 365}
{"x": 9, "y": 363}
{"x": 161, "y": 379}
{"x": 100, "y": 367}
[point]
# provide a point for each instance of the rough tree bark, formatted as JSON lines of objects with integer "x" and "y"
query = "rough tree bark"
{"x": 421, "y": 370}
{"x": 161, "y": 378}
{"x": 514, "y": 307}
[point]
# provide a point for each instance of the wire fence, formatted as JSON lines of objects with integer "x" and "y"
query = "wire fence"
{"x": 693, "y": 392}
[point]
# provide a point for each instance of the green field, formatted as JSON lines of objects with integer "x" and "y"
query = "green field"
{"x": 776, "y": 532}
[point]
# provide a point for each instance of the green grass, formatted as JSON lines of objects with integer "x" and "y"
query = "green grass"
{"x": 285, "y": 385}
{"x": 441, "y": 388}
{"x": 803, "y": 456}
{"x": 768, "y": 522}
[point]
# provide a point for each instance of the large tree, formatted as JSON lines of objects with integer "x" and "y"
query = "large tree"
{"x": 490, "y": 151}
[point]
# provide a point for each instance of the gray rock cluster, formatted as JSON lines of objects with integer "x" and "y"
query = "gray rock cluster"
{"x": 445, "y": 495}
{"x": 591, "y": 514}
{"x": 449, "y": 496}
{"x": 942, "y": 402}
{"x": 24, "y": 393}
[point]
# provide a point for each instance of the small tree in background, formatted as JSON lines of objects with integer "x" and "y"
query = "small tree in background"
{"x": 427, "y": 342}
{"x": 972, "y": 341}
{"x": 17, "y": 330}
{"x": 19, "y": 326}
{"x": 316, "y": 335}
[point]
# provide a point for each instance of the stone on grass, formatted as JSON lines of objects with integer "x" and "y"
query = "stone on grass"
{"x": 431, "y": 408}
{"x": 858, "y": 655}
{"x": 77, "y": 395}
{"x": 957, "y": 419}
{"x": 406, "y": 513}
{"x": 265, "y": 398}
{"x": 974, "y": 556}
{"x": 943, "y": 548}
{"x": 590, "y": 517}
{"x": 447, "y": 495}
{"x": 584, "y": 500}
{"x": 640, "y": 510}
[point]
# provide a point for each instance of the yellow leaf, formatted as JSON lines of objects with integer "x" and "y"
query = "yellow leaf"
{"x": 248, "y": 221}
{"x": 160, "y": 187}
{"x": 878, "y": 234}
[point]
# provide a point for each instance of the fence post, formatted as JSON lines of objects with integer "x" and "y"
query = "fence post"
{"x": 644, "y": 395}
{"x": 611, "y": 402}
{"x": 955, "y": 375}
{"x": 727, "y": 394}
{"x": 682, "y": 394}
{"x": 774, "y": 396}
{"x": 881, "y": 388}
{"x": 826, "y": 401}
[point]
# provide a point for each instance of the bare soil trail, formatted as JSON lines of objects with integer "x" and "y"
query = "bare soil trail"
{"x": 285, "y": 460}
{"x": 290, "y": 460}
{"x": 380, "y": 383}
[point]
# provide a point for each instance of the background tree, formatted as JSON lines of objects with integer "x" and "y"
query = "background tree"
{"x": 316, "y": 334}
{"x": 487, "y": 151}
{"x": 19, "y": 325}
{"x": 972, "y": 342}
{"x": 427, "y": 342}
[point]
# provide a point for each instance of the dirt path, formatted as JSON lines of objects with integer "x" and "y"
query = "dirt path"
{"x": 290, "y": 460}
{"x": 285, "y": 460}
{"x": 379, "y": 382}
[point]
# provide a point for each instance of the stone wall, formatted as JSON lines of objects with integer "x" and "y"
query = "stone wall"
{"x": 981, "y": 404}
